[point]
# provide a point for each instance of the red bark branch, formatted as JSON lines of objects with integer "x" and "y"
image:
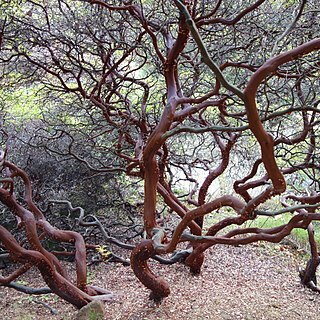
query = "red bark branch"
{"x": 139, "y": 263}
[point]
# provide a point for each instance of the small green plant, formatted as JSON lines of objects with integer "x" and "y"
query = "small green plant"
{"x": 46, "y": 297}
{"x": 90, "y": 277}
{"x": 28, "y": 298}
{"x": 104, "y": 252}
{"x": 93, "y": 315}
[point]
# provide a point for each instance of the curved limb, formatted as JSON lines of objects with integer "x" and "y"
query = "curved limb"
{"x": 49, "y": 266}
{"x": 195, "y": 261}
{"x": 56, "y": 282}
{"x": 80, "y": 253}
{"x": 36, "y": 219}
{"x": 28, "y": 290}
{"x": 14, "y": 275}
{"x": 308, "y": 275}
{"x": 139, "y": 263}
{"x": 196, "y": 258}
{"x": 26, "y": 217}
{"x": 177, "y": 256}
{"x": 29, "y": 222}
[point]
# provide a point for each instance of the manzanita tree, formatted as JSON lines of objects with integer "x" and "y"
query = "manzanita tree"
{"x": 213, "y": 104}
{"x": 31, "y": 219}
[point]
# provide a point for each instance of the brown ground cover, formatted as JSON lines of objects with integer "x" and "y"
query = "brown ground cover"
{"x": 247, "y": 283}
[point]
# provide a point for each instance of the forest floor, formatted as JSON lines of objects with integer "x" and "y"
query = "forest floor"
{"x": 247, "y": 282}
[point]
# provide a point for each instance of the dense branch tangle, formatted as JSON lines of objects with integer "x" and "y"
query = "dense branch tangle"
{"x": 34, "y": 223}
{"x": 179, "y": 94}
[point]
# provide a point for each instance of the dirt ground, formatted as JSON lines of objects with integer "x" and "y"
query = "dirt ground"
{"x": 250, "y": 282}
